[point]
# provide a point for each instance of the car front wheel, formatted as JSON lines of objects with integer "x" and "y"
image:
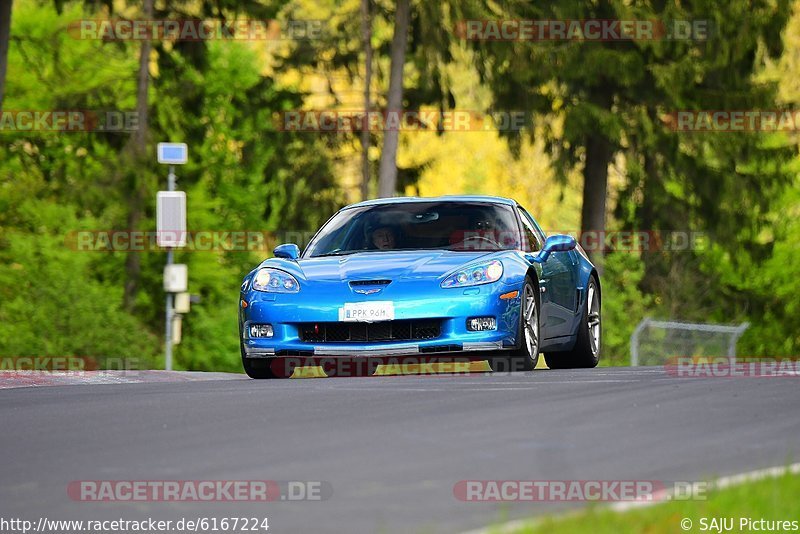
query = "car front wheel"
{"x": 526, "y": 356}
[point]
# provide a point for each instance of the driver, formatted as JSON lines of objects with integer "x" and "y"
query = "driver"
{"x": 383, "y": 238}
{"x": 483, "y": 225}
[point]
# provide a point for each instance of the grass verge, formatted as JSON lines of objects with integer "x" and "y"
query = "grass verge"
{"x": 773, "y": 500}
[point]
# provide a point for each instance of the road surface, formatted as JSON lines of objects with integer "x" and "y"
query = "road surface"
{"x": 390, "y": 448}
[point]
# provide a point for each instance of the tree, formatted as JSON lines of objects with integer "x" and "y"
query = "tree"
{"x": 573, "y": 84}
{"x": 243, "y": 175}
{"x": 722, "y": 184}
{"x": 601, "y": 99}
{"x": 366, "y": 36}
{"x": 5, "y": 37}
{"x": 387, "y": 177}
{"x": 136, "y": 152}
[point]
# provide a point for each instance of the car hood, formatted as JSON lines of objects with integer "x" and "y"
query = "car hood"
{"x": 379, "y": 265}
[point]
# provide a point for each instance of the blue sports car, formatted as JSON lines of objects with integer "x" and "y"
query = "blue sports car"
{"x": 458, "y": 276}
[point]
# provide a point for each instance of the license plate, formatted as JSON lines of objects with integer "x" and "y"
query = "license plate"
{"x": 367, "y": 311}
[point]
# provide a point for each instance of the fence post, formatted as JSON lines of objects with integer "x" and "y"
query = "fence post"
{"x": 635, "y": 341}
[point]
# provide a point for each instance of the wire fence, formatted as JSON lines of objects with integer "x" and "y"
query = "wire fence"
{"x": 656, "y": 342}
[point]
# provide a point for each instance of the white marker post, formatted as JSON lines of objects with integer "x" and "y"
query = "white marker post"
{"x": 171, "y": 233}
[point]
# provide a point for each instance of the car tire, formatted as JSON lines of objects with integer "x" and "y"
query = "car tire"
{"x": 526, "y": 356}
{"x": 258, "y": 368}
{"x": 586, "y": 352}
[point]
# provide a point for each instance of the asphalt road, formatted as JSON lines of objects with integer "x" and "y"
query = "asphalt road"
{"x": 391, "y": 448}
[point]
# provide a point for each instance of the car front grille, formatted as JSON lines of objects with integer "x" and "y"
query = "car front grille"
{"x": 341, "y": 332}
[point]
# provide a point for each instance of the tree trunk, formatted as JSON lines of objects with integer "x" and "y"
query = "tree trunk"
{"x": 136, "y": 152}
{"x": 366, "y": 35}
{"x": 654, "y": 264}
{"x": 387, "y": 179}
{"x": 5, "y": 37}
{"x": 595, "y": 185}
{"x": 655, "y": 216}
{"x": 651, "y": 188}
{"x": 139, "y": 139}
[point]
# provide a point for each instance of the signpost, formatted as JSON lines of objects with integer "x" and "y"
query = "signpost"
{"x": 171, "y": 234}
{"x": 171, "y": 218}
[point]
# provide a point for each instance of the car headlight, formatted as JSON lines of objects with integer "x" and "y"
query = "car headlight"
{"x": 480, "y": 273}
{"x": 275, "y": 281}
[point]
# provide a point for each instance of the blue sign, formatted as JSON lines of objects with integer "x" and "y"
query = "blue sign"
{"x": 173, "y": 153}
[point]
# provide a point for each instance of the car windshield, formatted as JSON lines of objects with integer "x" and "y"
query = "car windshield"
{"x": 460, "y": 226}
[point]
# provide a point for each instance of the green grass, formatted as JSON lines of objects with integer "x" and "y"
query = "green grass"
{"x": 768, "y": 499}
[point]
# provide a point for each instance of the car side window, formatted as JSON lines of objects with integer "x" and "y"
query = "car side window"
{"x": 540, "y": 235}
{"x": 533, "y": 242}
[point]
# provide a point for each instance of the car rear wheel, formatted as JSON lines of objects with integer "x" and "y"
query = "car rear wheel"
{"x": 526, "y": 356}
{"x": 586, "y": 352}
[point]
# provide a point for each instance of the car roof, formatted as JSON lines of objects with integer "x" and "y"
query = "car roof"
{"x": 446, "y": 198}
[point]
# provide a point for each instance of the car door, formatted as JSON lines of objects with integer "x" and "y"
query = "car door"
{"x": 559, "y": 297}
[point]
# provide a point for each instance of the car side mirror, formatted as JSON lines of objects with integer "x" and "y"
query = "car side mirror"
{"x": 290, "y": 251}
{"x": 555, "y": 243}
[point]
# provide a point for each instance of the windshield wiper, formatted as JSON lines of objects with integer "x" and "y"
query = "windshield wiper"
{"x": 337, "y": 253}
{"x": 451, "y": 248}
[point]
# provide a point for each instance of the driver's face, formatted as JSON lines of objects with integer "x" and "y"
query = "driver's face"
{"x": 383, "y": 238}
{"x": 484, "y": 224}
